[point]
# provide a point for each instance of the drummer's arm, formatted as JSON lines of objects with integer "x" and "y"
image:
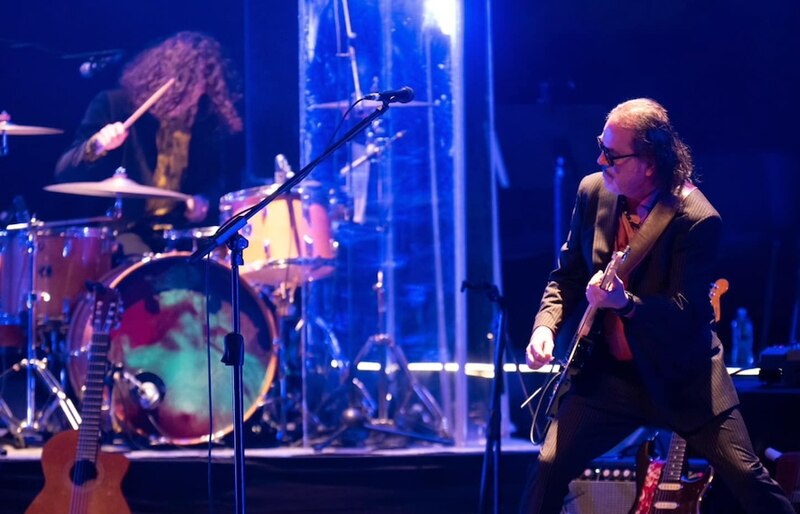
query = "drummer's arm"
{"x": 92, "y": 140}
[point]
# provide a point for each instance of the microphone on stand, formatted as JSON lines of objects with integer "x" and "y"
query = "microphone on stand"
{"x": 403, "y": 95}
{"x": 97, "y": 63}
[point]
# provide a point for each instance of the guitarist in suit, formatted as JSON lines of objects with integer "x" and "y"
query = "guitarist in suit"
{"x": 655, "y": 359}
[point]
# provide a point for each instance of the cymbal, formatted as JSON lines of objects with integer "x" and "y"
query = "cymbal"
{"x": 117, "y": 186}
{"x": 12, "y": 129}
{"x": 365, "y": 104}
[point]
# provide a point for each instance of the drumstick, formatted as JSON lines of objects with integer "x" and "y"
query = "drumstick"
{"x": 147, "y": 104}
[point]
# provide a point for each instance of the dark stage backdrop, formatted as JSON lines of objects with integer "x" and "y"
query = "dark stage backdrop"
{"x": 728, "y": 73}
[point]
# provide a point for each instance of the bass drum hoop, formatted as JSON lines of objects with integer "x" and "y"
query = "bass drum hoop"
{"x": 78, "y": 361}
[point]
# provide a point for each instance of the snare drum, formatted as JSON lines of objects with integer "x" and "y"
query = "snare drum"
{"x": 161, "y": 341}
{"x": 290, "y": 240}
{"x": 63, "y": 260}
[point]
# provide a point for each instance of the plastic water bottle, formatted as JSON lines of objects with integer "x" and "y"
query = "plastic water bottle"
{"x": 742, "y": 339}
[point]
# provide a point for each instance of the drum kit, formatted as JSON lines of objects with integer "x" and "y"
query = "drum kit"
{"x": 158, "y": 350}
{"x": 175, "y": 317}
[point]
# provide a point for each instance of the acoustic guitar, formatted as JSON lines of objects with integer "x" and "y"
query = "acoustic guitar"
{"x": 78, "y": 477}
{"x": 665, "y": 487}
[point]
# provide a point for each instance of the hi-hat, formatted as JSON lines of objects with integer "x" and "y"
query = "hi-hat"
{"x": 117, "y": 186}
{"x": 365, "y": 104}
{"x": 12, "y": 129}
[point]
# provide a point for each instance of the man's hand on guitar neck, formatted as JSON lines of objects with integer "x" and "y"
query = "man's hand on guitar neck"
{"x": 613, "y": 298}
{"x": 540, "y": 348}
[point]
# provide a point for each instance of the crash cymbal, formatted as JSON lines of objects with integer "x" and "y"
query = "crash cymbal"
{"x": 117, "y": 186}
{"x": 365, "y": 104}
{"x": 12, "y": 129}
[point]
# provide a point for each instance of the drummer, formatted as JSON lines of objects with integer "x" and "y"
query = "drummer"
{"x": 189, "y": 140}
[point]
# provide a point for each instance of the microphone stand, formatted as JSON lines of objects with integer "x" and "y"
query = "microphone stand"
{"x": 491, "y": 456}
{"x": 228, "y": 233}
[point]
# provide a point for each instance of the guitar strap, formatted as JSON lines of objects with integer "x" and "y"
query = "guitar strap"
{"x": 654, "y": 225}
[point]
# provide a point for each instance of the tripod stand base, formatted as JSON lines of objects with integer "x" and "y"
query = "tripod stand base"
{"x": 29, "y": 431}
{"x": 355, "y": 419}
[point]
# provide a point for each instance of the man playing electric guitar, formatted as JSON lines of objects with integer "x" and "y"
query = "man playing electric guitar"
{"x": 657, "y": 361}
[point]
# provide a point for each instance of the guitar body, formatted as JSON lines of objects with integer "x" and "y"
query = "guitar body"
{"x": 662, "y": 486}
{"x": 102, "y": 495}
{"x": 683, "y": 497}
{"x": 78, "y": 477}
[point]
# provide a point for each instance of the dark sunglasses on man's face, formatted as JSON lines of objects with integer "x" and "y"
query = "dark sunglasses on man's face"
{"x": 607, "y": 153}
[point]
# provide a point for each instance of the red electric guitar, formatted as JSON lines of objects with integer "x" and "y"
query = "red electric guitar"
{"x": 78, "y": 477}
{"x": 665, "y": 487}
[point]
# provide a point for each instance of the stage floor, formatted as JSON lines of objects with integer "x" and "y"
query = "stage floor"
{"x": 418, "y": 479}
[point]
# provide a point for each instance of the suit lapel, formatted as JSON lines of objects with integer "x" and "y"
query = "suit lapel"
{"x": 648, "y": 234}
{"x": 652, "y": 228}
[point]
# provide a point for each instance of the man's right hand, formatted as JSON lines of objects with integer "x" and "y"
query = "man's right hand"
{"x": 108, "y": 138}
{"x": 540, "y": 348}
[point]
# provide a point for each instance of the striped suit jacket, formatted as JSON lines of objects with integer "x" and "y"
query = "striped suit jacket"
{"x": 675, "y": 349}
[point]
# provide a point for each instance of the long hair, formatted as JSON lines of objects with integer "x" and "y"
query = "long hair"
{"x": 656, "y": 139}
{"x": 196, "y": 62}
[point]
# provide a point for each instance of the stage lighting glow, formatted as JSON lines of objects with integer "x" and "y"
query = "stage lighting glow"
{"x": 441, "y": 13}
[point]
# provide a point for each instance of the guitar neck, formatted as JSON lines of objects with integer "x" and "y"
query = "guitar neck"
{"x": 89, "y": 431}
{"x": 676, "y": 459}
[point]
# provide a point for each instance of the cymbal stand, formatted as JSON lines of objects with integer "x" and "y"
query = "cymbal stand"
{"x": 28, "y": 430}
{"x": 356, "y": 417}
{"x": 283, "y": 298}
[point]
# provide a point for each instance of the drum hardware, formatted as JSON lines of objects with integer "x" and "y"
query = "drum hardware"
{"x": 7, "y": 128}
{"x": 28, "y": 430}
{"x": 356, "y": 173}
{"x": 309, "y": 366}
{"x": 359, "y": 417}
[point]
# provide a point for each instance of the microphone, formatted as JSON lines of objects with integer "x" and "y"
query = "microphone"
{"x": 147, "y": 389}
{"x": 97, "y": 63}
{"x": 403, "y": 95}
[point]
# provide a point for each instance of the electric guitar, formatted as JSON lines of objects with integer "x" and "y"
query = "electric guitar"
{"x": 78, "y": 477}
{"x": 665, "y": 488}
{"x": 579, "y": 348}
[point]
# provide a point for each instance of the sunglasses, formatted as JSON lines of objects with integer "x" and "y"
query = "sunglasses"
{"x": 607, "y": 153}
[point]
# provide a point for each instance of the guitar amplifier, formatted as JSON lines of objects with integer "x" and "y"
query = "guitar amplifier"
{"x": 780, "y": 365}
{"x": 607, "y": 487}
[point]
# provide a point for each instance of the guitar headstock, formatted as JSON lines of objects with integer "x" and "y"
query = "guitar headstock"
{"x": 106, "y": 308}
{"x": 611, "y": 269}
{"x": 718, "y": 288}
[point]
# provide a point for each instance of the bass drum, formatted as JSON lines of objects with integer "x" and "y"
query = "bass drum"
{"x": 159, "y": 348}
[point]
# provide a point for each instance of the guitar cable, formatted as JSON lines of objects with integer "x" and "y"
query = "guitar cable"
{"x": 207, "y": 329}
